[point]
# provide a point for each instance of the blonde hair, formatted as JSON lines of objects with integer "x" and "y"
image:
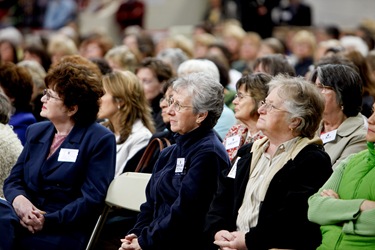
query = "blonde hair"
{"x": 183, "y": 43}
{"x": 204, "y": 39}
{"x": 234, "y": 30}
{"x": 123, "y": 57}
{"x": 253, "y": 37}
{"x": 61, "y": 44}
{"x": 304, "y": 36}
{"x": 128, "y": 92}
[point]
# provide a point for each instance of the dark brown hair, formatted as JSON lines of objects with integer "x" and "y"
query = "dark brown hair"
{"x": 77, "y": 85}
{"x": 17, "y": 84}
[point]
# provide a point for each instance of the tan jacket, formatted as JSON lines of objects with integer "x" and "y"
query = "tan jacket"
{"x": 350, "y": 138}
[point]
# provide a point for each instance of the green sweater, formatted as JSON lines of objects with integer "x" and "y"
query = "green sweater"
{"x": 343, "y": 226}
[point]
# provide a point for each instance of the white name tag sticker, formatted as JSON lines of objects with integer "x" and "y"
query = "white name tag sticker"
{"x": 180, "y": 165}
{"x": 233, "y": 170}
{"x": 330, "y": 136}
{"x": 68, "y": 155}
{"x": 232, "y": 142}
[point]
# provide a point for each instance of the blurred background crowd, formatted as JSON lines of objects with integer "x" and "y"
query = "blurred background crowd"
{"x": 241, "y": 44}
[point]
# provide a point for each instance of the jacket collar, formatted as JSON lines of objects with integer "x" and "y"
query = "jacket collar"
{"x": 348, "y": 127}
{"x": 192, "y": 136}
{"x": 42, "y": 147}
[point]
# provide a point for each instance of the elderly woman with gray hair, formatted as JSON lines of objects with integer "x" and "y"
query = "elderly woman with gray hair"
{"x": 227, "y": 118}
{"x": 343, "y": 129}
{"x": 185, "y": 176}
{"x": 261, "y": 203}
{"x": 10, "y": 145}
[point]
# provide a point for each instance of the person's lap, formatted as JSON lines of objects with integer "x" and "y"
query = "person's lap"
{"x": 8, "y": 224}
{"x": 18, "y": 237}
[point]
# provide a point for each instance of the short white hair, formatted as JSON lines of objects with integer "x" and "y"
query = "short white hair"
{"x": 354, "y": 43}
{"x": 199, "y": 65}
{"x": 13, "y": 35}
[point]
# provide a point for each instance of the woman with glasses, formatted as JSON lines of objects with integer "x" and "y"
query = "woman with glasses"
{"x": 127, "y": 114}
{"x": 261, "y": 203}
{"x": 56, "y": 190}
{"x": 185, "y": 176}
{"x": 343, "y": 128}
{"x": 251, "y": 89}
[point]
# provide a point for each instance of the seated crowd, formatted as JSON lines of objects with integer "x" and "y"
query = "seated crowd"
{"x": 272, "y": 144}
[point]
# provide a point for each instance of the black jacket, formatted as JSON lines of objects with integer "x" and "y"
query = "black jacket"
{"x": 282, "y": 221}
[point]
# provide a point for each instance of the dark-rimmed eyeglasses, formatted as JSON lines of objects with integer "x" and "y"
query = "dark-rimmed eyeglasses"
{"x": 323, "y": 87}
{"x": 49, "y": 96}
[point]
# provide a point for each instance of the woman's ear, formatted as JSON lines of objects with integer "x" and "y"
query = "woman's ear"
{"x": 119, "y": 102}
{"x": 72, "y": 110}
{"x": 294, "y": 123}
{"x": 201, "y": 117}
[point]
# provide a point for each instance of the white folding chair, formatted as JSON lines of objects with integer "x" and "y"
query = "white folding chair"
{"x": 125, "y": 191}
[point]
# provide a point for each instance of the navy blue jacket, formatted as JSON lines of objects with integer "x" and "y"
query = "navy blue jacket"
{"x": 178, "y": 198}
{"x": 71, "y": 193}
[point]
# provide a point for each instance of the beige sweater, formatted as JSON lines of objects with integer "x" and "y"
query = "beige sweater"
{"x": 10, "y": 149}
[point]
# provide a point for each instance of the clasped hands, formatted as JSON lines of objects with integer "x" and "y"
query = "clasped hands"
{"x": 230, "y": 240}
{"x": 30, "y": 216}
{"x": 130, "y": 242}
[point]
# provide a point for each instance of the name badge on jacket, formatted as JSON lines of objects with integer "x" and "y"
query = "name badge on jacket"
{"x": 330, "y": 136}
{"x": 232, "y": 142}
{"x": 233, "y": 170}
{"x": 68, "y": 155}
{"x": 180, "y": 166}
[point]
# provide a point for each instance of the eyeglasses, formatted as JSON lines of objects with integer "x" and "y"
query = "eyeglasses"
{"x": 240, "y": 96}
{"x": 48, "y": 95}
{"x": 269, "y": 107}
{"x": 164, "y": 99}
{"x": 323, "y": 87}
{"x": 176, "y": 106}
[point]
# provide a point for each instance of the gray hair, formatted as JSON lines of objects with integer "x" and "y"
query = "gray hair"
{"x": 5, "y": 108}
{"x": 207, "y": 95}
{"x": 199, "y": 65}
{"x": 302, "y": 100}
{"x": 36, "y": 71}
{"x": 173, "y": 56}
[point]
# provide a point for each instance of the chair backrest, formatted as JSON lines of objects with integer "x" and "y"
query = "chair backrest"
{"x": 128, "y": 190}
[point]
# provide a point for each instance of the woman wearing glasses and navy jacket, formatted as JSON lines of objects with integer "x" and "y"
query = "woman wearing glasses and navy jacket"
{"x": 261, "y": 203}
{"x": 55, "y": 192}
{"x": 185, "y": 176}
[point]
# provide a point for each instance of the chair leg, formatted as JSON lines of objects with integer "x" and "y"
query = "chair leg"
{"x": 98, "y": 228}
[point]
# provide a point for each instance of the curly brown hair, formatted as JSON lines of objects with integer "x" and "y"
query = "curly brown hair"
{"x": 77, "y": 85}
